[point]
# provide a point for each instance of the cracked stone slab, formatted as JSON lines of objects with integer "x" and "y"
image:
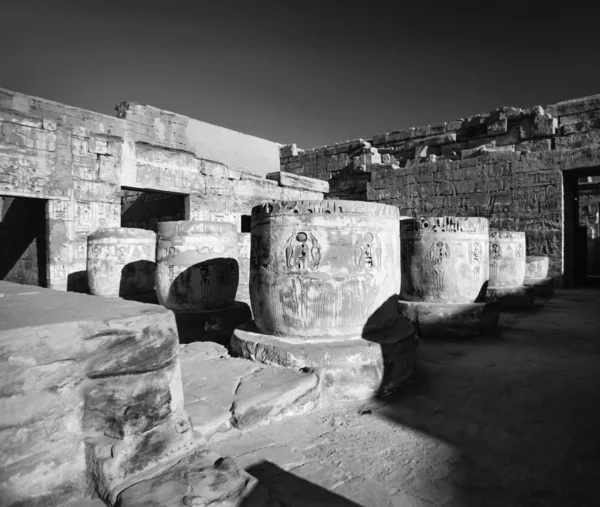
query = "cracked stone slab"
{"x": 221, "y": 391}
{"x": 270, "y": 391}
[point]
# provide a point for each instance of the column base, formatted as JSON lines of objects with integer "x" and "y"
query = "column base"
{"x": 354, "y": 368}
{"x": 451, "y": 320}
{"x": 512, "y": 298}
{"x": 542, "y": 287}
{"x": 212, "y": 325}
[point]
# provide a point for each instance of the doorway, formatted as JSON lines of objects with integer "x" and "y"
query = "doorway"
{"x": 24, "y": 252}
{"x": 582, "y": 227}
{"x": 143, "y": 209}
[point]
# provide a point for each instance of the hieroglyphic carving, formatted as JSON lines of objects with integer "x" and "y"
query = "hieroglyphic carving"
{"x": 302, "y": 252}
{"x": 367, "y": 254}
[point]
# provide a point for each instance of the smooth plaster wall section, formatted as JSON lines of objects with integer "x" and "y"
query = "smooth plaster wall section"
{"x": 232, "y": 148}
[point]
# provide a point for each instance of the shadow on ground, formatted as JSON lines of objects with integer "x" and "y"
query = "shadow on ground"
{"x": 522, "y": 407}
{"x": 290, "y": 490}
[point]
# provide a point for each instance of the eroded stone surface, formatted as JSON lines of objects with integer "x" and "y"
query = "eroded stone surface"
{"x": 121, "y": 261}
{"x": 324, "y": 267}
{"x": 507, "y": 259}
{"x": 536, "y": 266}
{"x": 197, "y": 267}
{"x": 444, "y": 259}
{"x": 222, "y": 392}
{"x": 347, "y": 369}
{"x": 102, "y": 377}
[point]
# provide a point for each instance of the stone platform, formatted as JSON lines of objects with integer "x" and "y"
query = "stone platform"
{"x": 512, "y": 298}
{"x": 102, "y": 377}
{"x": 348, "y": 369}
{"x": 451, "y": 320}
{"x": 212, "y": 325}
{"x": 542, "y": 287}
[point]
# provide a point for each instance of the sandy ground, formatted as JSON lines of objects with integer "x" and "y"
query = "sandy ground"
{"x": 509, "y": 420}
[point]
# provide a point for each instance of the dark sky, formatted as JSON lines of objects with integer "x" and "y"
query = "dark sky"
{"x": 308, "y": 72}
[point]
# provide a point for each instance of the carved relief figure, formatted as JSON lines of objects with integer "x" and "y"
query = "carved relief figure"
{"x": 301, "y": 255}
{"x": 368, "y": 253}
{"x": 495, "y": 251}
{"x": 519, "y": 250}
{"x": 439, "y": 253}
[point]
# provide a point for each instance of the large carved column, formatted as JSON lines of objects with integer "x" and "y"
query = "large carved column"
{"x": 121, "y": 262}
{"x": 507, "y": 270}
{"x": 324, "y": 280}
{"x": 536, "y": 275}
{"x": 197, "y": 277}
{"x": 445, "y": 274}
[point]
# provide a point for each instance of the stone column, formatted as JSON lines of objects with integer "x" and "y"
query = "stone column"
{"x": 197, "y": 277}
{"x": 121, "y": 261}
{"x": 444, "y": 276}
{"x": 324, "y": 280}
{"x": 507, "y": 270}
{"x": 536, "y": 275}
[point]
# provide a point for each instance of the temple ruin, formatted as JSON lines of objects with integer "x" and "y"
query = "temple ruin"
{"x": 168, "y": 286}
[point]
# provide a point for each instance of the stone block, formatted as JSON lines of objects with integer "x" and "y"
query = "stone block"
{"x": 347, "y": 369}
{"x": 301, "y": 182}
{"x": 215, "y": 169}
{"x": 542, "y": 287}
{"x": 538, "y": 145}
{"x": 401, "y": 135}
{"x": 575, "y": 128}
{"x": 454, "y": 125}
{"x": 103, "y": 377}
{"x": 27, "y": 120}
{"x": 574, "y": 106}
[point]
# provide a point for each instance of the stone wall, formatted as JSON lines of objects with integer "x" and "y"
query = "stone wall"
{"x": 505, "y": 165}
{"x": 78, "y": 160}
{"x": 589, "y": 217}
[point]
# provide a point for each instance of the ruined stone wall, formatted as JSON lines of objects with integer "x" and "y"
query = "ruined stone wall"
{"x": 505, "y": 165}
{"x": 78, "y": 160}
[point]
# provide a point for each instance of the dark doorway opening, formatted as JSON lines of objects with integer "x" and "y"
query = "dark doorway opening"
{"x": 24, "y": 247}
{"x": 582, "y": 227}
{"x": 143, "y": 209}
{"x": 246, "y": 225}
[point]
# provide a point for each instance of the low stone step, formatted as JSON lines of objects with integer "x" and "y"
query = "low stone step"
{"x": 222, "y": 392}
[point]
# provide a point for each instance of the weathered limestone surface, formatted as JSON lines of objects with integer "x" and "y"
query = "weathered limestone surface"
{"x": 444, "y": 259}
{"x": 507, "y": 259}
{"x": 324, "y": 268}
{"x": 349, "y": 369}
{"x": 504, "y": 165}
{"x": 121, "y": 261}
{"x": 243, "y": 292}
{"x": 92, "y": 397}
{"x": 445, "y": 271}
{"x": 79, "y": 160}
{"x": 197, "y": 267}
{"x": 222, "y": 392}
{"x": 536, "y": 267}
{"x": 295, "y": 181}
